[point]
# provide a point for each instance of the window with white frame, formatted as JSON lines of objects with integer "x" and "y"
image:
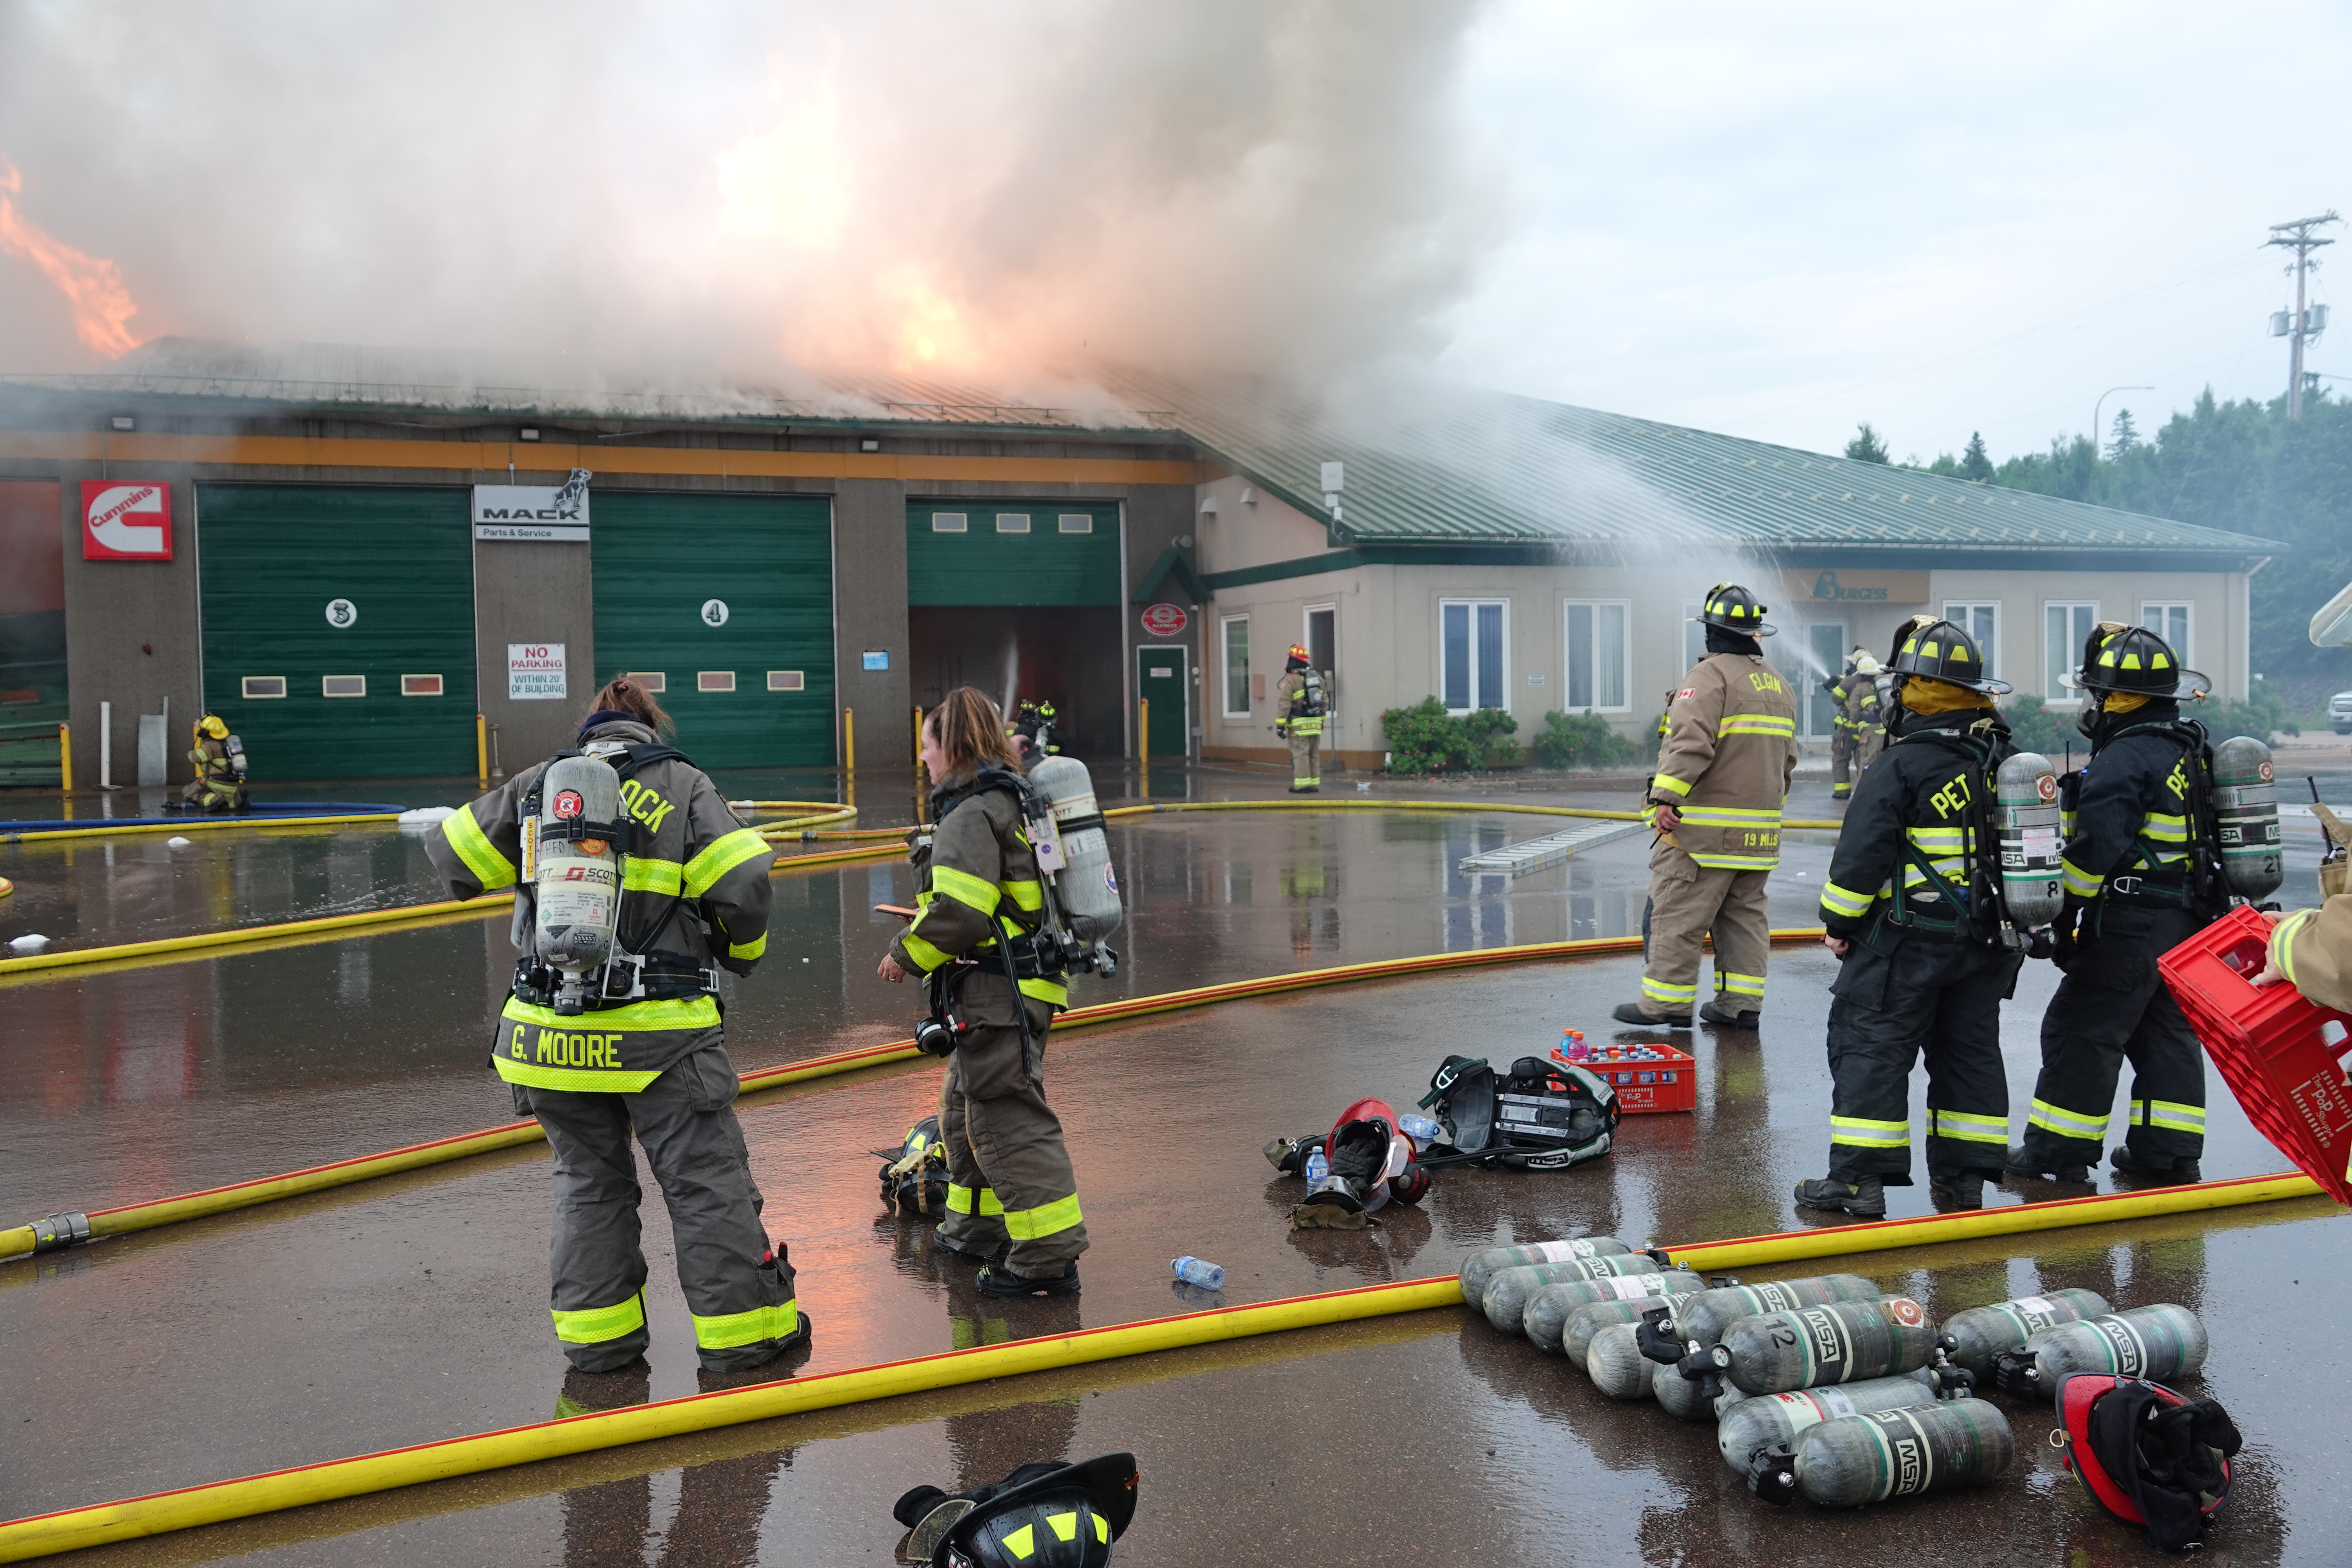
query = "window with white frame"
{"x": 1596, "y": 655}
{"x": 1237, "y": 641}
{"x": 2169, "y": 620}
{"x": 1694, "y": 636}
{"x": 2065, "y": 629}
{"x": 1471, "y": 640}
{"x": 1982, "y": 622}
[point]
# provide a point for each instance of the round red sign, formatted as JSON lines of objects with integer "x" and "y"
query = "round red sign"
{"x": 568, "y": 802}
{"x": 1164, "y": 620}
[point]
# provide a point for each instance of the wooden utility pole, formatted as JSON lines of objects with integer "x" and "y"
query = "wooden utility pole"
{"x": 2297, "y": 236}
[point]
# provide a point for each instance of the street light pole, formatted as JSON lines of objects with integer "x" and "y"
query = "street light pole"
{"x": 2102, "y": 403}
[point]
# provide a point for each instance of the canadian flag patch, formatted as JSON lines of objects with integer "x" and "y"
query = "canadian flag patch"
{"x": 1685, "y": 691}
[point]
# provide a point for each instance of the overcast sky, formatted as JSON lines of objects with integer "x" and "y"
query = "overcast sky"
{"x": 1770, "y": 220}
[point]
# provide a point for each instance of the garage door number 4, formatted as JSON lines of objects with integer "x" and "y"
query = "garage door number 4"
{"x": 714, "y": 612}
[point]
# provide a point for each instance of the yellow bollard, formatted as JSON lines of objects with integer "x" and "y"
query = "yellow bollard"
{"x": 65, "y": 759}
{"x": 1143, "y": 744}
{"x": 481, "y": 750}
{"x": 849, "y": 738}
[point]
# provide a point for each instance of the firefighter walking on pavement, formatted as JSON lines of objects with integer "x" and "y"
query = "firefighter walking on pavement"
{"x": 1299, "y": 708}
{"x": 1723, "y": 773}
{"x": 993, "y": 989}
{"x": 1860, "y": 726}
{"x": 642, "y": 1052}
{"x": 1913, "y": 911}
{"x": 2139, "y": 881}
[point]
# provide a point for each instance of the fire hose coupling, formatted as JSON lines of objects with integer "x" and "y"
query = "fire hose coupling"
{"x": 60, "y": 1231}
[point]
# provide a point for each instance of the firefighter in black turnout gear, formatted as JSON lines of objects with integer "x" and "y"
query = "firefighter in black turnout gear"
{"x": 2142, "y": 874}
{"x": 1913, "y": 908}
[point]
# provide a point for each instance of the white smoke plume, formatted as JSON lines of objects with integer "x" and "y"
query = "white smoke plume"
{"x": 986, "y": 195}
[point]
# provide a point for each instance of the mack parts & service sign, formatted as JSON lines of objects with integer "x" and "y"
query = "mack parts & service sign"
{"x": 547, "y": 515}
{"x": 125, "y": 522}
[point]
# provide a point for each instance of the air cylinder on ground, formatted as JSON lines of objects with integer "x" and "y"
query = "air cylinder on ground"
{"x": 1812, "y": 1347}
{"x": 2154, "y": 1343}
{"x": 1981, "y": 1333}
{"x": 1704, "y": 1318}
{"x": 2025, "y": 810}
{"x": 2245, "y": 815}
{"x": 1546, "y": 1310}
{"x": 1577, "y": 1329}
{"x": 1509, "y": 1290}
{"x": 1482, "y": 1266}
{"x": 1858, "y": 1459}
{"x": 1615, "y": 1363}
{"x": 1753, "y": 1425}
{"x": 1085, "y": 884}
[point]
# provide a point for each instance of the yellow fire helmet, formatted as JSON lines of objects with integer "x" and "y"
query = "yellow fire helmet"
{"x": 213, "y": 726}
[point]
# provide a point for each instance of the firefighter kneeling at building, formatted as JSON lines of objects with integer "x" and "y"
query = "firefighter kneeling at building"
{"x": 1298, "y": 709}
{"x": 1912, "y": 909}
{"x": 1860, "y": 723}
{"x": 218, "y": 759}
{"x": 1715, "y": 802}
{"x": 2139, "y": 881}
{"x": 634, "y": 879}
{"x": 993, "y": 989}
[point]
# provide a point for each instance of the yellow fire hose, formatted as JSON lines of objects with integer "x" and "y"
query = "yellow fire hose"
{"x": 20, "y": 1240}
{"x": 73, "y": 1529}
{"x": 199, "y": 825}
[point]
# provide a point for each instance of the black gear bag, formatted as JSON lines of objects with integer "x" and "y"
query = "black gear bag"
{"x": 1540, "y": 1116}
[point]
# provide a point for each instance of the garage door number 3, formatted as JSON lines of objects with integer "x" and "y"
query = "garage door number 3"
{"x": 341, "y": 612}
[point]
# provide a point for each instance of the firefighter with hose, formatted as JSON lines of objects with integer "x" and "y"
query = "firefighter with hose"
{"x": 1299, "y": 703}
{"x": 613, "y": 1027}
{"x": 2137, "y": 884}
{"x": 1861, "y": 721}
{"x": 982, "y": 942}
{"x": 1723, "y": 773}
{"x": 1912, "y": 909}
{"x": 218, "y": 760}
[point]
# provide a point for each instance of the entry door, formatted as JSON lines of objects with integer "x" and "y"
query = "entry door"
{"x": 1164, "y": 679}
{"x": 1825, "y": 644}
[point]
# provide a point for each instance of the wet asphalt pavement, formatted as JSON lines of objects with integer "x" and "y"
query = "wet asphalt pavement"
{"x": 413, "y": 1309}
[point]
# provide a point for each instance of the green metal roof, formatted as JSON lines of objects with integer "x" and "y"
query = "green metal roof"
{"x": 1464, "y": 466}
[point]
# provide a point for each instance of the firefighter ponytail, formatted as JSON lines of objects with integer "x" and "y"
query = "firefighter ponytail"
{"x": 970, "y": 731}
{"x": 624, "y": 695}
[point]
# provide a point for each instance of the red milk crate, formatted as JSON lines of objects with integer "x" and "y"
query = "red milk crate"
{"x": 2279, "y": 1051}
{"x": 1648, "y": 1088}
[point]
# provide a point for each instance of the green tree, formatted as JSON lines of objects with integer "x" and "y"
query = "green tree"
{"x": 2126, "y": 438}
{"x": 1976, "y": 463}
{"x": 1867, "y": 446}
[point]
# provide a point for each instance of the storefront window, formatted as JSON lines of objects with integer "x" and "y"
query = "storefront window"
{"x": 1470, "y": 653}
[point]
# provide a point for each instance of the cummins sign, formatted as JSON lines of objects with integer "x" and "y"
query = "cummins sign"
{"x": 559, "y": 515}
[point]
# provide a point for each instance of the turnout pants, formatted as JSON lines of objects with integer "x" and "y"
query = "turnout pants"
{"x": 1688, "y": 902}
{"x": 2110, "y": 1007}
{"x": 1899, "y": 997}
{"x": 741, "y": 1294}
{"x": 1009, "y": 1173}
{"x": 1843, "y": 762}
{"x": 1306, "y": 760}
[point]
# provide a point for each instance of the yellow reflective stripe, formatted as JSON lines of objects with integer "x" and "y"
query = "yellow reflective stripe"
{"x": 1968, "y": 1127}
{"x": 637, "y": 1017}
{"x": 1306, "y": 727}
{"x": 926, "y": 957}
{"x": 1063, "y": 1525}
{"x": 2067, "y": 1123}
{"x": 1022, "y": 1543}
{"x": 2168, "y": 1113}
{"x": 960, "y": 1200}
{"x": 1051, "y": 992}
{"x": 1737, "y": 862}
{"x": 579, "y": 1080}
{"x": 2283, "y": 942}
{"x": 1045, "y": 1220}
{"x": 1725, "y": 815}
{"x": 755, "y": 948}
{"x": 1846, "y": 901}
{"x": 1953, "y": 839}
{"x": 1670, "y": 783}
{"x": 594, "y": 1325}
{"x": 1863, "y": 1134}
{"x": 965, "y": 889}
{"x": 2163, "y": 828}
{"x": 644, "y": 874}
{"x": 1739, "y": 984}
{"x": 490, "y": 869}
{"x": 729, "y": 1329}
{"x": 2076, "y": 881}
{"x": 1659, "y": 991}
{"x": 721, "y": 856}
{"x": 1757, "y": 724}
{"x": 1102, "y": 1528}
{"x": 1027, "y": 896}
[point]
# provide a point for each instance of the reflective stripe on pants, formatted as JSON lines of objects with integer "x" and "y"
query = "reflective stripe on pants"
{"x": 1687, "y": 903}
{"x": 1918, "y": 1000}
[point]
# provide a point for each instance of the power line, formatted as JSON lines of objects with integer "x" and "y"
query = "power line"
{"x": 2297, "y": 236}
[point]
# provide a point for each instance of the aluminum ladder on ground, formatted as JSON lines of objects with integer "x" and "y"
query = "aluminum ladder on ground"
{"x": 1552, "y": 850}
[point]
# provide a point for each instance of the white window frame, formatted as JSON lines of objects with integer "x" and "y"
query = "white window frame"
{"x": 2067, "y": 655}
{"x": 1012, "y": 522}
{"x": 950, "y": 522}
{"x": 2181, "y": 650}
{"x": 1306, "y": 639}
{"x": 1690, "y": 633}
{"x": 1076, "y": 523}
{"x": 1501, "y": 697}
{"x": 1989, "y": 646}
{"x": 1568, "y": 655}
{"x": 1225, "y": 671}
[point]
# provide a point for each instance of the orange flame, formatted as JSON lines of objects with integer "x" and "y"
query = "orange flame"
{"x": 102, "y": 306}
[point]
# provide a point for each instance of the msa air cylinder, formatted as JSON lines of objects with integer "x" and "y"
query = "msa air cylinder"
{"x": 1577, "y": 1333}
{"x": 1483, "y": 1266}
{"x": 575, "y": 869}
{"x": 1865, "y": 1459}
{"x": 1703, "y": 1316}
{"x": 1083, "y": 882}
{"x": 2155, "y": 1342}
{"x": 2246, "y": 817}
{"x": 2025, "y": 811}
{"x": 1812, "y": 1347}
{"x": 1777, "y": 1418}
{"x": 1615, "y": 1363}
{"x": 1547, "y": 1311}
{"x": 1973, "y": 1338}
{"x": 1510, "y": 1289}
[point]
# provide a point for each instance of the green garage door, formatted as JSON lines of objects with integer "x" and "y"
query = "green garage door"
{"x": 339, "y": 628}
{"x": 1012, "y": 553}
{"x": 726, "y": 604}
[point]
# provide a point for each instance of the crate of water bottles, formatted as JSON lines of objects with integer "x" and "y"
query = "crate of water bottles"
{"x": 1648, "y": 1078}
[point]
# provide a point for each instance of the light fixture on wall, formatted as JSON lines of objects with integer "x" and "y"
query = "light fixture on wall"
{"x": 1249, "y": 496}
{"x": 124, "y": 422}
{"x": 526, "y": 435}
{"x": 1208, "y": 505}
{"x": 868, "y": 444}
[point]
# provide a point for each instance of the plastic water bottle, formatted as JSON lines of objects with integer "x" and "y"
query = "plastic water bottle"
{"x": 1194, "y": 1271}
{"x": 1421, "y": 1130}
{"x": 1319, "y": 1165}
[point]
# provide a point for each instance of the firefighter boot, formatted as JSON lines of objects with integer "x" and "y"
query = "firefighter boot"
{"x": 1965, "y": 1191}
{"x": 1632, "y": 1013}
{"x": 2023, "y": 1161}
{"x": 2153, "y": 1173}
{"x": 995, "y": 1280}
{"x": 1865, "y": 1199}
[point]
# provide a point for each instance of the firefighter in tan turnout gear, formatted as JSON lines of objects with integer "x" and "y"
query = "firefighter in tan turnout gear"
{"x": 1299, "y": 704}
{"x": 634, "y": 1043}
{"x": 1723, "y": 772}
{"x": 1860, "y": 723}
{"x": 1012, "y": 1194}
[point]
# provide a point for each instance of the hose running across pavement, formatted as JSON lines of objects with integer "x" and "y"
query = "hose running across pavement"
{"x": 129, "y": 1217}
{"x": 73, "y": 1529}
